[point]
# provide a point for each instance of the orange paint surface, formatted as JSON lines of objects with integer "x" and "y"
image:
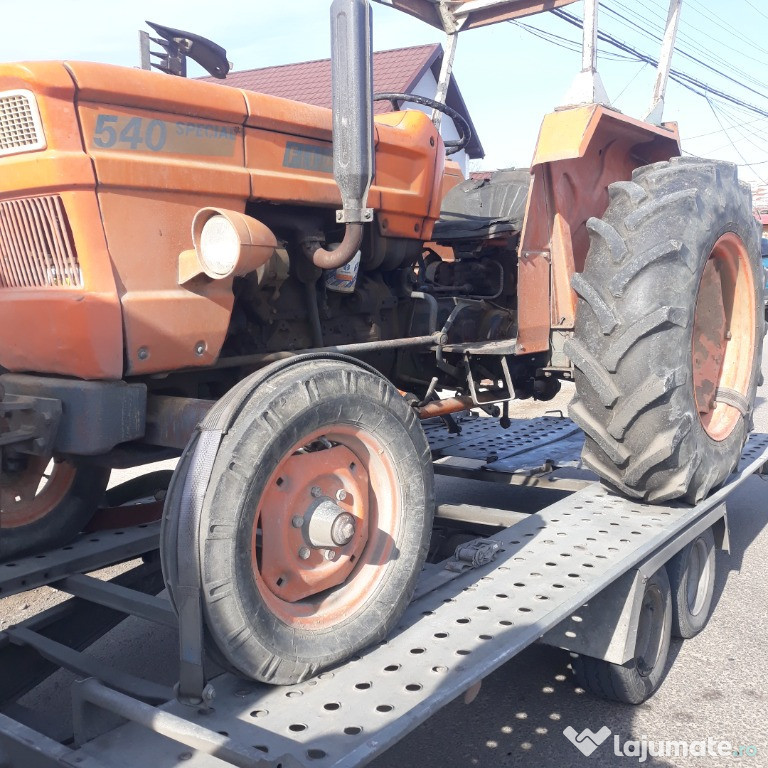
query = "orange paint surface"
{"x": 134, "y": 155}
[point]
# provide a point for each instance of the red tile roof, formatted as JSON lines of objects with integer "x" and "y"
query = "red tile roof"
{"x": 310, "y": 81}
{"x": 398, "y": 70}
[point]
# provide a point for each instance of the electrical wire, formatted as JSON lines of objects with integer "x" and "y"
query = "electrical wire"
{"x": 755, "y": 8}
{"x": 687, "y": 55}
{"x": 568, "y": 44}
{"x": 720, "y": 130}
{"x": 681, "y": 78}
{"x": 736, "y": 149}
{"x": 634, "y": 77}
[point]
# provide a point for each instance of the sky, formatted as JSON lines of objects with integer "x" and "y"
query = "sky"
{"x": 509, "y": 76}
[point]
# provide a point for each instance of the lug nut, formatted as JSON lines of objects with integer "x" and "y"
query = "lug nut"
{"x": 316, "y": 491}
{"x": 343, "y": 529}
{"x": 297, "y": 521}
{"x": 341, "y": 494}
{"x": 304, "y": 553}
{"x": 330, "y": 554}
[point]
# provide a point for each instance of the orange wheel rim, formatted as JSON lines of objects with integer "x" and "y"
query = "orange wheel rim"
{"x": 31, "y": 494}
{"x": 344, "y": 469}
{"x": 723, "y": 336}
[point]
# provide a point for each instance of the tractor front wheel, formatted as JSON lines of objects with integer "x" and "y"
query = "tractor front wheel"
{"x": 669, "y": 330}
{"x": 316, "y": 522}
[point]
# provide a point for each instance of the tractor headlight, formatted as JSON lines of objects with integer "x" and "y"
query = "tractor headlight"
{"x": 227, "y": 243}
{"x": 219, "y": 248}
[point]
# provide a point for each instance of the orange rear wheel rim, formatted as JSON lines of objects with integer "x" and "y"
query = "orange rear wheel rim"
{"x": 341, "y": 465}
{"x": 30, "y": 494}
{"x": 723, "y": 335}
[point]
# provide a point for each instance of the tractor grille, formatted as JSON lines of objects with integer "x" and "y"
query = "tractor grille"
{"x": 20, "y": 128}
{"x": 36, "y": 248}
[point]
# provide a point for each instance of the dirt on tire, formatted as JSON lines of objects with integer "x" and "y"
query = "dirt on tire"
{"x": 633, "y": 338}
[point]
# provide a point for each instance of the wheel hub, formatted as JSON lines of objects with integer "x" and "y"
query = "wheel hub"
{"x": 312, "y": 523}
{"x": 328, "y": 525}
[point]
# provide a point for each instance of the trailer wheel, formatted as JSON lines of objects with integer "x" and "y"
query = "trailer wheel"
{"x": 669, "y": 329}
{"x": 639, "y": 678}
{"x": 692, "y": 578}
{"x": 46, "y": 502}
{"x": 315, "y": 523}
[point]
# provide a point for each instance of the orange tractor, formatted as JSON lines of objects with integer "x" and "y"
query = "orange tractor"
{"x": 187, "y": 267}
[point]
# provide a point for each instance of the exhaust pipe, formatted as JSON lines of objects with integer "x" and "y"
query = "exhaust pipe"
{"x": 353, "y": 157}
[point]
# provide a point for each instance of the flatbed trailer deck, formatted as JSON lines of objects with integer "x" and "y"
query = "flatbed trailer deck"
{"x": 466, "y": 620}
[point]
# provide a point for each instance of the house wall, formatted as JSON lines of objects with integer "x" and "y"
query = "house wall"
{"x": 427, "y": 86}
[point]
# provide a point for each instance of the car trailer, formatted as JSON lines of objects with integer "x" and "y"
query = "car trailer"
{"x": 581, "y": 574}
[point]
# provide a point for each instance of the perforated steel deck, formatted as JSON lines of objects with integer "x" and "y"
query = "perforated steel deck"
{"x": 87, "y": 552}
{"x": 484, "y": 439}
{"x": 549, "y": 565}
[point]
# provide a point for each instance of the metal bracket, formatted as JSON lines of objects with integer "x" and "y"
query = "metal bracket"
{"x": 354, "y": 216}
{"x": 495, "y": 395}
{"x": 473, "y": 554}
{"x": 32, "y": 423}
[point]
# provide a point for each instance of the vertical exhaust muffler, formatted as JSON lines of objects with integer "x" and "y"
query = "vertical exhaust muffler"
{"x": 353, "y": 156}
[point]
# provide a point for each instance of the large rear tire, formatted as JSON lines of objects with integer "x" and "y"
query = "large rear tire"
{"x": 669, "y": 330}
{"x": 315, "y": 523}
{"x": 45, "y": 503}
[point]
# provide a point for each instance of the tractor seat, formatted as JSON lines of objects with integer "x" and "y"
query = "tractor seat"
{"x": 479, "y": 209}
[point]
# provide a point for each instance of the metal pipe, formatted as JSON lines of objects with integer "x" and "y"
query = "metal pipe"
{"x": 589, "y": 41}
{"x": 343, "y": 349}
{"x": 432, "y": 301}
{"x": 314, "y": 314}
{"x": 446, "y": 69}
{"x": 444, "y": 407}
{"x": 350, "y": 245}
{"x": 352, "y": 95}
{"x": 171, "y": 726}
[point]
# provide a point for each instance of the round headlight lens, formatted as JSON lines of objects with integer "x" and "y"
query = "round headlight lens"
{"x": 219, "y": 246}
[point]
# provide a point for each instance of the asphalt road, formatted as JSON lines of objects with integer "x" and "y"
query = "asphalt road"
{"x": 716, "y": 686}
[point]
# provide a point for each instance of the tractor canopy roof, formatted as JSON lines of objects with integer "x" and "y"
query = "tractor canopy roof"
{"x": 455, "y": 15}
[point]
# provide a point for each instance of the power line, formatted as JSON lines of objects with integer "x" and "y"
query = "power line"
{"x": 632, "y": 80}
{"x": 720, "y": 130}
{"x": 736, "y": 149}
{"x": 687, "y": 55}
{"x": 681, "y": 78}
{"x": 755, "y": 8}
{"x": 685, "y": 41}
{"x": 568, "y": 44}
{"x": 725, "y": 26}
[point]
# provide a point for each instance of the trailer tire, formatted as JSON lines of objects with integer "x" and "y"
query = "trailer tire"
{"x": 692, "y": 578}
{"x": 276, "y": 607}
{"x": 56, "y": 511}
{"x": 641, "y": 676}
{"x": 669, "y": 329}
